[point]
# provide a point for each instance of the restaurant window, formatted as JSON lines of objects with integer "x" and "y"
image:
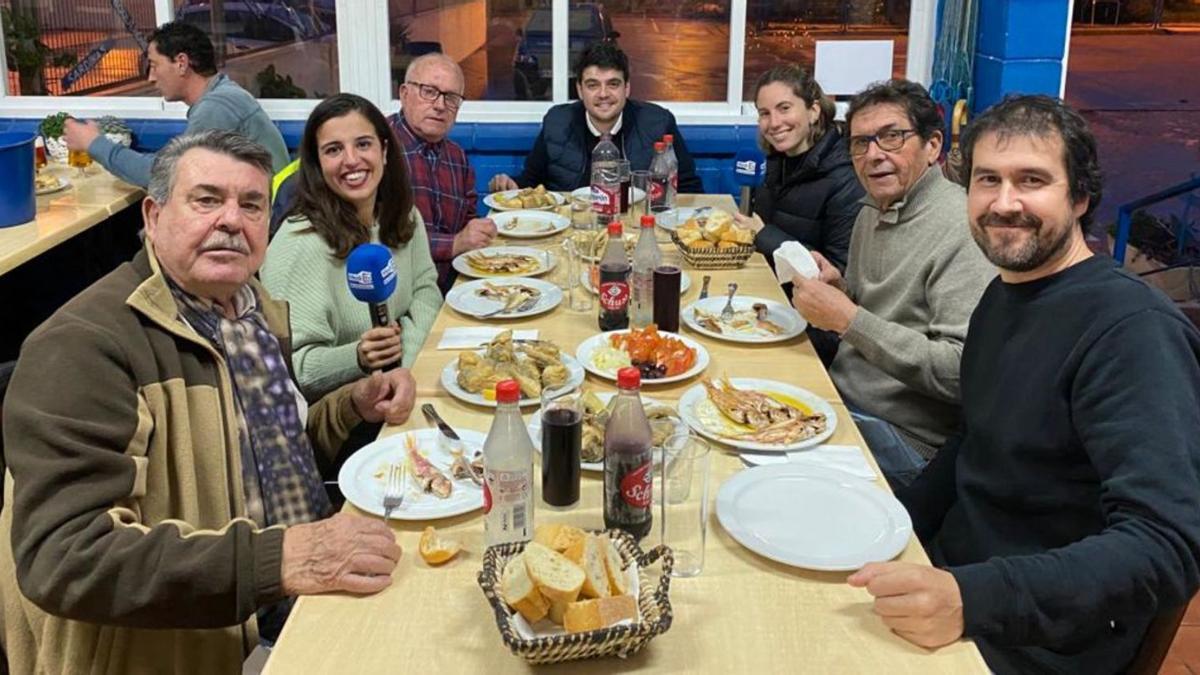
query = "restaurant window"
{"x": 483, "y": 36}
{"x": 76, "y": 47}
{"x": 280, "y": 49}
{"x": 783, "y": 32}
{"x": 678, "y": 50}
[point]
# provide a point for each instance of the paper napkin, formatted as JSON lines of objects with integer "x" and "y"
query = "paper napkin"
{"x": 791, "y": 258}
{"x": 473, "y": 337}
{"x": 845, "y": 458}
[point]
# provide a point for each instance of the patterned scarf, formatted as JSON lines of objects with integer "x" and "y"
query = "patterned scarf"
{"x": 279, "y": 473}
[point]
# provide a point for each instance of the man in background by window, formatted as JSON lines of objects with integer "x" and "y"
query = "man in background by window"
{"x": 913, "y": 276}
{"x": 183, "y": 68}
{"x": 561, "y": 158}
{"x": 443, "y": 181}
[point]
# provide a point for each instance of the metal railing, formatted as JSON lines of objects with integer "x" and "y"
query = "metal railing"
{"x": 1125, "y": 214}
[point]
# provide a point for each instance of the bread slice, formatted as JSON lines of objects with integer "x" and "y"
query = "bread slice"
{"x": 546, "y": 533}
{"x": 612, "y": 566}
{"x": 519, "y": 591}
{"x": 557, "y": 536}
{"x": 557, "y": 612}
{"x": 557, "y": 577}
{"x": 589, "y": 554}
{"x": 599, "y": 613}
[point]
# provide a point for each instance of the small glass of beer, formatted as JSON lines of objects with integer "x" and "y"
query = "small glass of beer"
{"x": 79, "y": 159}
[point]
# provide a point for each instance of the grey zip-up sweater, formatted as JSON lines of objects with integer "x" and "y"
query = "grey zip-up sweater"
{"x": 916, "y": 275}
{"x": 224, "y": 105}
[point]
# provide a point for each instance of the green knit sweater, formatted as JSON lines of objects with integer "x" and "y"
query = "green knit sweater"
{"x": 327, "y": 321}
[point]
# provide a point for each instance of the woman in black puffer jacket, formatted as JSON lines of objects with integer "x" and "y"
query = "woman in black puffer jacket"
{"x": 811, "y": 194}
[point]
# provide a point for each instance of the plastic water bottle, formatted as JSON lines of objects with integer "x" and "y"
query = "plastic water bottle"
{"x": 660, "y": 180}
{"x": 646, "y": 257}
{"x": 507, "y": 472}
{"x": 672, "y": 173}
{"x": 606, "y": 182}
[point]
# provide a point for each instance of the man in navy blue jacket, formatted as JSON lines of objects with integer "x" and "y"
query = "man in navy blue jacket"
{"x": 1067, "y": 515}
{"x": 561, "y": 158}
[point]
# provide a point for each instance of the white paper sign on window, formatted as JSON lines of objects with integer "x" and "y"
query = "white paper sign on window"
{"x": 846, "y": 67}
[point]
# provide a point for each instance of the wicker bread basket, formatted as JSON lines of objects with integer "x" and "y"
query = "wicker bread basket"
{"x": 714, "y": 258}
{"x": 654, "y": 608}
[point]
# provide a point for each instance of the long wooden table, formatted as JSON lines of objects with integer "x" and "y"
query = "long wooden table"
{"x": 744, "y": 613}
{"x": 88, "y": 201}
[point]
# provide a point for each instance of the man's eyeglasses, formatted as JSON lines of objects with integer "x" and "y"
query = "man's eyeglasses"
{"x": 890, "y": 140}
{"x": 431, "y": 93}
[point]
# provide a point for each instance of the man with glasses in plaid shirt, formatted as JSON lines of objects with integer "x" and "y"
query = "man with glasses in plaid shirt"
{"x": 442, "y": 179}
{"x": 913, "y": 277}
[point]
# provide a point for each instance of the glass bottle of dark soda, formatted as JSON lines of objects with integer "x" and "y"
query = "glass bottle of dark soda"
{"x": 628, "y": 464}
{"x": 614, "y": 282}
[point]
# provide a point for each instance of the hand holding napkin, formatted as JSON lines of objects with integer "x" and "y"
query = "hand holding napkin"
{"x": 791, "y": 259}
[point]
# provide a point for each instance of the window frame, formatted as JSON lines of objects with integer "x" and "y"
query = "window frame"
{"x": 367, "y": 72}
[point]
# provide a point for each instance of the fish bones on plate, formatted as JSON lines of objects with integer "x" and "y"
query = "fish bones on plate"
{"x": 768, "y": 419}
{"x": 502, "y": 263}
{"x": 510, "y": 295}
{"x": 752, "y": 321}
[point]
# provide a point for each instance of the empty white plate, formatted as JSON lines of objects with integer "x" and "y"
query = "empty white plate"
{"x": 812, "y": 517}
{"x": 529, "y": 224}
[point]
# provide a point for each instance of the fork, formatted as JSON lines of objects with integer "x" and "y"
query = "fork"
{"x": 527, "y": 304}
{"x": 393, "y": 491}
{"x": 727, "y": 313}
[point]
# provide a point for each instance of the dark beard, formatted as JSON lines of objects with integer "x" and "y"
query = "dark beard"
{"x": 1030, "y": 255}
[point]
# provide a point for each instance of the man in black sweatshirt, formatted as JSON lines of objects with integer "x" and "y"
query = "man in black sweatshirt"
{"x": 1067, "y": 515}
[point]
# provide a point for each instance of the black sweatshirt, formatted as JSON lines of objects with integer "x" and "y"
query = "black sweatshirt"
{"x": 1069, "y": 509}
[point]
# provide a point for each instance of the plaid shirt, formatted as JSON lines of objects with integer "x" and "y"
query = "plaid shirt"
{"x": 443, "y": 185}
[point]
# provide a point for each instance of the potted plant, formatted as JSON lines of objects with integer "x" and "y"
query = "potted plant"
{"x": 51, "y": 129}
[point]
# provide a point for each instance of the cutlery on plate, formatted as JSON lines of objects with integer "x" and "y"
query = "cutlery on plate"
{"x": 393, "y": 491}
{"x": 704, "y": 286}
{"x": 524, "y": 306}
{"x": 448, "y": 433}
{"x": 727, "y": 313}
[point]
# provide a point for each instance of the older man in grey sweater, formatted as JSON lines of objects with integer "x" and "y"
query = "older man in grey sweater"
{"x": 912, "y": 280}
{"x": 183, "y": 67}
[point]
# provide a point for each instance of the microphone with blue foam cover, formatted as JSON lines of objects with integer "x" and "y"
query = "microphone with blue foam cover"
{"x": 749, "y": 171}
{"x": 372, "y": 279}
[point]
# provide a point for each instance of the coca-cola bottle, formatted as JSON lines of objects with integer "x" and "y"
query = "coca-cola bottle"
{"x": 614, "y": 282}
{"x": 672, "y": 172}
{"x": 507, "y": 471}
{"x": 628, "y": 462}
{"x": 660, "y": 180}
{"x": 606, "y": 182}
{"x": 646, "y": 257}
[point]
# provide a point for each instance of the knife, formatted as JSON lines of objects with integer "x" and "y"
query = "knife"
{"x": 448, "y": 433}
{"x": 704, "y": 286}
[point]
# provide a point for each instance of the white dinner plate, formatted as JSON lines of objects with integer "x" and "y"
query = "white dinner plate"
{"x": 545, "y": 261}
{"x": 363, "y": 476}
{"x": 535, "y": 428}
{"x": 450, "y": 383}
{"x": 585, "y": 194}
{"x": 699, "y": 412}
{"x": 812, "y": 517}
{"x": 784, "y": 316}
{"x": 585, "y": 349}
{"x": 529, "y": 224}
{"x": 685, "y": 282}
{"x": 671, "y": 221}
{"x": 490, "y": 201}
{"x": 464, "y": 298}
{"x": 62, "y": 184}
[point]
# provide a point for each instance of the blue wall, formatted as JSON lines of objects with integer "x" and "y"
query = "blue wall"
{"x": 1019, "y": 49}
{"x": 492, "y": 148}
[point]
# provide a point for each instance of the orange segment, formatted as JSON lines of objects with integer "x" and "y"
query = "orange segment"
{"x": 435, "y": 550}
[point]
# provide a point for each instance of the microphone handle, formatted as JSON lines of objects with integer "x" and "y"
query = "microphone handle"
{"x": 744, "y": 207}
{"x": 379, "y": 314}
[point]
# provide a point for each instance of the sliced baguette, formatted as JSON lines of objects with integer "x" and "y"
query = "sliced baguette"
{"x": 589, "y": 554}
{"x": 567, "y": 537}
{"x": 520, "y": 592}
{"x": 612, "y": 566}
{"x": 546, "y": 533}
{"x": 599, "y": 613}
{"x": 557, "y": 612}
{"x": 557, "y": 577}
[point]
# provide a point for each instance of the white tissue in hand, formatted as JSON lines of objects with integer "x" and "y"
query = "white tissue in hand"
{"x": 791, "y": 258}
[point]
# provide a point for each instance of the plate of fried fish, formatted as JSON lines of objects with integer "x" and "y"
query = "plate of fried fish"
{"x": 535, "y": 198}
{"x": 534, "y": 364}
{"x": 756, "y": 414}
{"x": 438, "y": 481}
{"x": 504, "y": 298}
{"x": 754, "y": 320}
{"x": 505, "y": 261}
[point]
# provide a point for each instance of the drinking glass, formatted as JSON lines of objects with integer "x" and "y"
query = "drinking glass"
{"x": 639, "y": 187}
{"x": 626, "y": 177}
{"x": 668, "y": 276}
{"x": 79, "y": 159}
{"x": 579, "y": 298}
{"x": 684, "y": 501}
{"x": 562, "y": 438}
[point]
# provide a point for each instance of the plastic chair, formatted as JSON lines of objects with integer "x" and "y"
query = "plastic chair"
{"x": 1157, "y": 642}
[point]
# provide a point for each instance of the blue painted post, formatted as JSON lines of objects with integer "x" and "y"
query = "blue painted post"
{"x": 1019, "y": 49}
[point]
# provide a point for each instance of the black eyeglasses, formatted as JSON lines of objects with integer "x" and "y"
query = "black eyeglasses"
{"x": 431, "y": 93}
{"x": 890, "y": 140}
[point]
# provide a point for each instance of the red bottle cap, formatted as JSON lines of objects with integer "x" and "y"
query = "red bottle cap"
{"x": 668, "y": 138}
{"x": 614, "y": 229}
{"x": 659, "y": 146}
{"x": 508, "y": 391}
{"x": 629, "y": 378}
{"x": 647, "y": 220}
